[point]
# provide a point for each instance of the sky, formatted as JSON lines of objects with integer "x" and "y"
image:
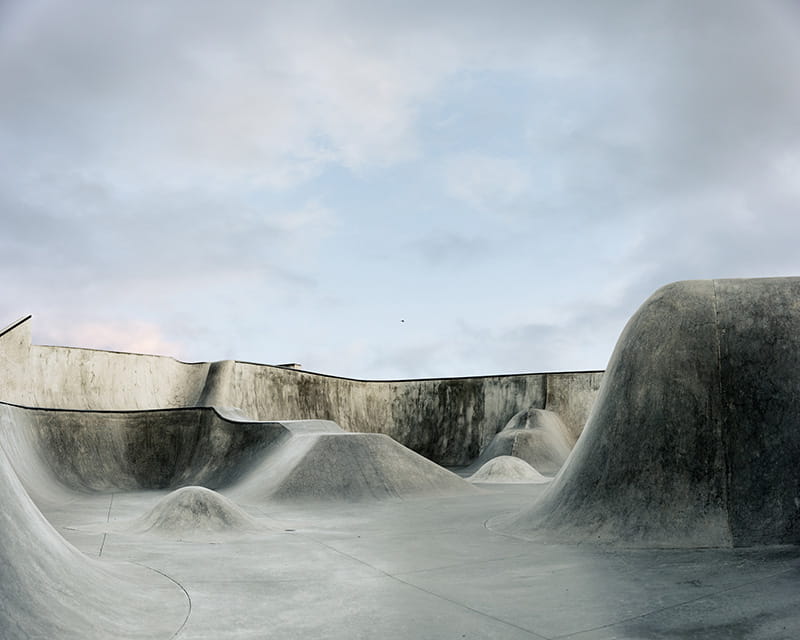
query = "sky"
{"x": 380, "y": 189}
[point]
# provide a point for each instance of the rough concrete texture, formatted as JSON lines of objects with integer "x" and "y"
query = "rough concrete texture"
{"x": 507, "y": 469}
{"x": 194, "y": 513}
{"x": 695, "y": 436}
{"x": 449, "y": 421}
{"x": 537, "y": 436}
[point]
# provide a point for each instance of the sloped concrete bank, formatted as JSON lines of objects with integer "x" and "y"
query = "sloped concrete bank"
{"x": 447, "y": 420}
{"x": 49, "y": 589}
{"x": 695, "y": 437}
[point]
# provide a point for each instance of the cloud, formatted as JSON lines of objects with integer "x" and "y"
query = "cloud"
{"x": 225, "y": 173}
{"x": 444, "y": 248}
{"x": 134, "y": 337}
{"x": 491, "y": 184}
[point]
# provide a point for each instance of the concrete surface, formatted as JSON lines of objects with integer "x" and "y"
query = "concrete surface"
{"x": 695, "y": 436}
{"x": 429, "y": 568}
{"x": 200, "y": 519}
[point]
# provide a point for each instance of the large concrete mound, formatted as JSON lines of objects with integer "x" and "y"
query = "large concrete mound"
{"x": 195, "y": 513}
{"x": 695, "y": 436}
{"x": 537, "y": 436}
{"x": 347, "y": 467}
{"x": 49, "y": 589}
{"x": 508, "y": 469}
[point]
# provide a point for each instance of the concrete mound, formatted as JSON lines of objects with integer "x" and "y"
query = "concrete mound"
{"x": 508, "y": 469}
{"x": 695, "y": 436}
{"x": 49, "y": 589}
{"x": 346, "y": 466}
{"x": 195, "y": 512}
{"x": 537, "y": 436}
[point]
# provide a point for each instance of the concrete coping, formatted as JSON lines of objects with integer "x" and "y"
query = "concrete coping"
{"x": 15, "y": 324}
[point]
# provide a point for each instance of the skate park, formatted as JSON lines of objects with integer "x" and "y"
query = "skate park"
{"x": 660, "y": 498}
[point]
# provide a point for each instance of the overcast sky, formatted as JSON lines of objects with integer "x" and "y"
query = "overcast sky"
{"x": 386, "y": 189}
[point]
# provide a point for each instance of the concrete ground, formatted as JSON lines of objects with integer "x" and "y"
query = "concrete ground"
{"x": 433, "y": 568}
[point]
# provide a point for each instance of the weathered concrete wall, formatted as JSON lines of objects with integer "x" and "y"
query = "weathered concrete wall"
{"x": 68, "y": 378}
{"x": 571, "y": 396}
{"x": 15, "y": 347}
{"x": 447, "y": 420}
{"x": 133, "y": 450}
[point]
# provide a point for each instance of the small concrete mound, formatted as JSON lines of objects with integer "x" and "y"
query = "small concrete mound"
{"x": 537, "y": 436}
{"x": 195, "y": 513}
{"x": 508, "y": 469}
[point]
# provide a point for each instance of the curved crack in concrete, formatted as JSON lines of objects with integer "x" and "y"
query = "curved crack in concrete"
{"x": 182, "y": 588}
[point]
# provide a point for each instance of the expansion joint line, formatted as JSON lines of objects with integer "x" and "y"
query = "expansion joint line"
{"x": 108, "y": 519}
{"x": 111, "y": 502}
{"x": 533, "y": 634}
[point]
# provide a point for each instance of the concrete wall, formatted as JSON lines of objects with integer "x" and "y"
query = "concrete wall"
{"x": 68, "y": 378}
{"x": 448, "y": 420}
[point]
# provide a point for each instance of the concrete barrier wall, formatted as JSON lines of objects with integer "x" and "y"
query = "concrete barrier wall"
{"x": 448, "y": 420}
{"x": 70, "y": 378}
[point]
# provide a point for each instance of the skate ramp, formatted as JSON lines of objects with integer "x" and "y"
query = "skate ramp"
{"x": 134, "y": 450}
{"x": 350, "y": 467}
{"x": 195, "y": 513}
{"x": 695, "y": 436}
{"x": 49, "y": 589}
{"x": 537, "y": 436}
{"x": 59, "y": 452}
{"x": 508, "y": 469}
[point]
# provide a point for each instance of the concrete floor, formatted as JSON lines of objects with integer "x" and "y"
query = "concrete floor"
{"x": 431, "y": 568}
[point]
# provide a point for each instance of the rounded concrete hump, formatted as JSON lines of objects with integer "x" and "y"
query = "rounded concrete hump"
{"x": 535, "y": 419}
{"x": 195, "y": 512}
{"x": 695, "y": 434}
{"x": 508, "y": 469}
{"x": 327, "y": 466}
{"x": 537, "y": 436}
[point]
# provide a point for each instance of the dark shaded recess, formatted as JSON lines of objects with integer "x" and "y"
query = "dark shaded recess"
{"x": 443, "y": 422}
{"x": 759, "y": 329}
{"x": 109, "y": 451}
